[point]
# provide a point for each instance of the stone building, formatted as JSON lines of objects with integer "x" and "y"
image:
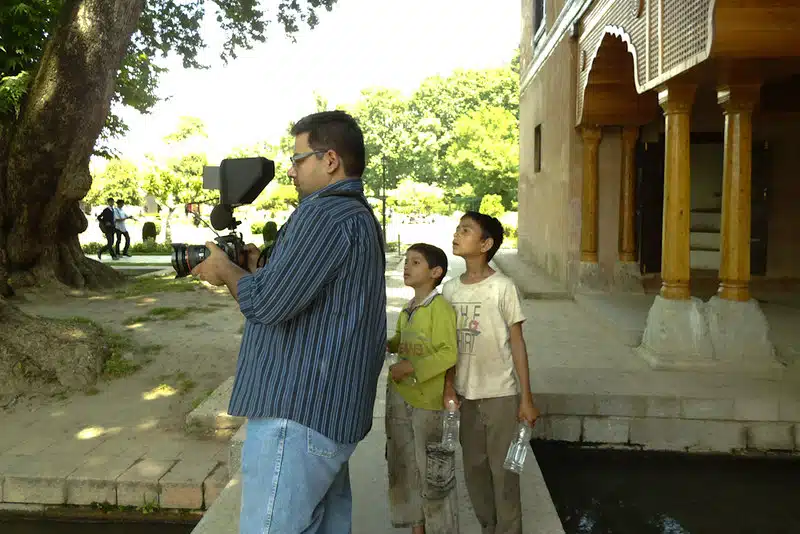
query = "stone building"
{"x": 660, "y": 154}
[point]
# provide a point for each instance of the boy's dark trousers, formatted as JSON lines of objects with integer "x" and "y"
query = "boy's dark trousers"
{"x": 487, "y": 428}
{"x": 109, "y": 245}
{"x": 119, "y": 240}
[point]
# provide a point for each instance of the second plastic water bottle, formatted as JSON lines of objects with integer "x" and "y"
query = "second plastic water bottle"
{"x": 450, "y": 423}
{"x": 518, "y": 450}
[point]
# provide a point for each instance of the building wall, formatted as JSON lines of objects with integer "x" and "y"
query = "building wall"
{"x": 549, "y": 200}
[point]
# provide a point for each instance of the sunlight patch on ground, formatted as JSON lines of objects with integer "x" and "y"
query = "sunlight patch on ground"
{"x": 148, "y": 425}
{"x": 57, "y": 414}
{"x": 163, "y": 390}
{"x": 100, "y": 297}
{"x": 134, "y": 326}
{"x": 92, "y": 432}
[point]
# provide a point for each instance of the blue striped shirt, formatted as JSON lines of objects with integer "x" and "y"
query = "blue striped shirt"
{"x": 315, "y": 330}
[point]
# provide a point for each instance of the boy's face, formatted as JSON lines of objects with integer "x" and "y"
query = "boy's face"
{"x": 468, "y": 240}
{"x": 416, "y": 272}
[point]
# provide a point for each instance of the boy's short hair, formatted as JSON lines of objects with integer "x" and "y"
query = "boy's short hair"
{"x": 490, "y": 227}
{"x": 434, "y": 256}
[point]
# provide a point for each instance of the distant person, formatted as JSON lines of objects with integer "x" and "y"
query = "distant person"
{"x": 121, "y": 230}
{"x": 491, "y": 379}
{"x": 314, "y": 338}
{"x": 425, "y": 342}
{"x": 106, "y": 222}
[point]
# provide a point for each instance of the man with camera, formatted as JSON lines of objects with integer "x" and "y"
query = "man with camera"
{"x": 314, "y": 338}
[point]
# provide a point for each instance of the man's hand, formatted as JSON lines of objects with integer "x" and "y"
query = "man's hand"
{"x": 527, "y": 411}
{"x": 251, "y": 253}
{"x": 450, "y": 395}
{"x": 401, "y": 370}
{"x": 212, "y": 268}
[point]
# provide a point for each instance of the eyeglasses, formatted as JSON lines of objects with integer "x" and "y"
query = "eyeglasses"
{"x": 300, "y": 157}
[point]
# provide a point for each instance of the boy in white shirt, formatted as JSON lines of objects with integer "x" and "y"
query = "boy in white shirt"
{"x": 491, "y": 380}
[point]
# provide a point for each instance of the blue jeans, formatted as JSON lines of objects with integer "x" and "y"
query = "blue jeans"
{"x": 294, "y": 480}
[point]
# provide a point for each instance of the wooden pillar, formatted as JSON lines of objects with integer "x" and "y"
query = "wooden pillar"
{"x": 676, "y": 100}
{"x": 627, "y": 206}
{"x": 591, "y": 143}
{"x": 734, "y": 273}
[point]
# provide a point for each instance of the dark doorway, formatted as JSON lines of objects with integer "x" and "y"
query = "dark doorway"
{"x": 650, "y": 202}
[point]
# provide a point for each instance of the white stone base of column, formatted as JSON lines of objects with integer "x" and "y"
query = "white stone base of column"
{"x": 628, "y": 277}
{"x": 676, "y": 335}
{"x": 590, "y": 277}
{"x": 740, "y": 335}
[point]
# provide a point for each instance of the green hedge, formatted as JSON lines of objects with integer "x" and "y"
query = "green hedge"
{"x": 148, "y": 247}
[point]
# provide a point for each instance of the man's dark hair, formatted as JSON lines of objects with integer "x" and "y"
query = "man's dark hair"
{"x": 337, "y": 131}
{"x": 109, "y": 200}
{"x": 490, "y": 227}
{"x": 120, "y": 201}
{"x": 434, "y": 256}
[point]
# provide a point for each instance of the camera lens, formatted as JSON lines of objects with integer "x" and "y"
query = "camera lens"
{"x": 187, "y": 257}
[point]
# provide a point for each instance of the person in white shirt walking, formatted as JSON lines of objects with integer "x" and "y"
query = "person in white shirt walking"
{"x": 119, "y": 222}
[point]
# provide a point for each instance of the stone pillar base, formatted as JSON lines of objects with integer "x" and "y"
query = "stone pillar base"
{"x": 740, "y": 335}
{"x": 676, "y": 335}
{"x": 589, "y": 277}
{"x": 628, "y": 277}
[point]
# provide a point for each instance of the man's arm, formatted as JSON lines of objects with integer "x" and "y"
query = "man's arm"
{"x": 310, "y": 259}
{"x": 519, "y": 355}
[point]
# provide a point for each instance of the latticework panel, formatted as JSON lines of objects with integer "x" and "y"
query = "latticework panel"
{"x": 661, "y": 34}
{"x": 684, "y": 31}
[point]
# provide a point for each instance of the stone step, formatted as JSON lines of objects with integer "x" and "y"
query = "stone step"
{"x": 706, "y": 220}
{"x": 705, "y": 240}
{"x": 705, "y": 259}
{"x": 211, "y": 417}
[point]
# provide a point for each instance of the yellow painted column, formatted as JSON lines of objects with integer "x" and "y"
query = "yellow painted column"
{"x": 627, "y": 206}
{"x": 590, "y": 200}
{"x": 734, "y": 273}
{"x": 676, "y": 100}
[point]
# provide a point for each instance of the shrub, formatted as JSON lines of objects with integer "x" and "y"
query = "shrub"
{"x": 150, "y": 231}
{"x": 92, "y": 248}
{"x": 257, "y": 228}
{"x": 149, "y": 246}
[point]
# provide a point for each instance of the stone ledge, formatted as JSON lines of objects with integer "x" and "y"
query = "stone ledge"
{"x": 532, "y": 282}
{"x": 212, "y": 414}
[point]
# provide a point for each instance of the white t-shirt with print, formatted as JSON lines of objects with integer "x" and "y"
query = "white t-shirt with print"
{"x": 485, "y": 311}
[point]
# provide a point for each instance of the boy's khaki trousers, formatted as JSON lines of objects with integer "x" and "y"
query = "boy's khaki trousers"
{"x": 487, "y": 428}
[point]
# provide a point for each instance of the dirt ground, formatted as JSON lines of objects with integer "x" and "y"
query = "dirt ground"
{"x": 181, "y": 334}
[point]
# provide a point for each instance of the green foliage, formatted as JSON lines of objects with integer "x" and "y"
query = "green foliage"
{"x": 492, "y": 205}
{"x": 150, "y": 246}
{"x": 435, "y": 136}
{"x": 279, "y": 197}
{"x": 119, "y": 180}
{"x": 165, "y": 27}
{"x": 414, "y": 198}
{"x": 485, "y": 153}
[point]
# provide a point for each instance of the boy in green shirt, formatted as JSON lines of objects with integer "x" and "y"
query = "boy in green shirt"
{"x": 425, "y": 341}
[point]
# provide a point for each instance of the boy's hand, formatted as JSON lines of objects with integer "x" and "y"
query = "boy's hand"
{"x": 527, "y": 411}
{"x": 450, "y": 395}
{"x": 401, "y": 370}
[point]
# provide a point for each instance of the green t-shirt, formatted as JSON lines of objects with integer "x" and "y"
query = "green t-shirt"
{"x": 426, "y": 335}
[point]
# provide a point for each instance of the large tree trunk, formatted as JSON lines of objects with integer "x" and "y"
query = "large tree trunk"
{"x": 44, "y": 172}
{"x": 44, "y": 156}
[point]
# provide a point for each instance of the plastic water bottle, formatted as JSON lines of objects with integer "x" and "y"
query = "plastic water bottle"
{"x": 450, "y": 423}
{"x": 518, "y": 450}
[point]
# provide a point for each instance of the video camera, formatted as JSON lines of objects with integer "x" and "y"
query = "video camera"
{"x": 240, "y": 182}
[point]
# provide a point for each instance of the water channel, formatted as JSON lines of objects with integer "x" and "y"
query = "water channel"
{"x": 632, "y": 492}
{"x": 17, "y": 525}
